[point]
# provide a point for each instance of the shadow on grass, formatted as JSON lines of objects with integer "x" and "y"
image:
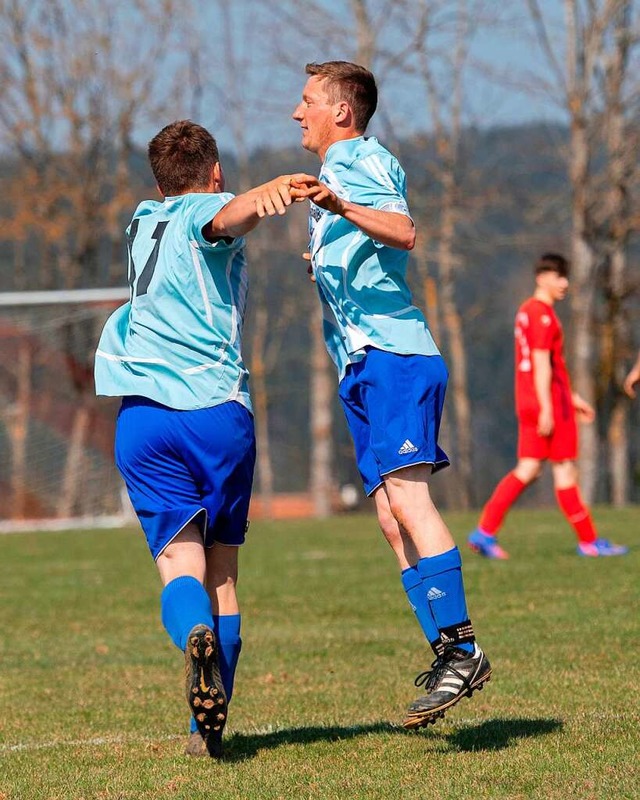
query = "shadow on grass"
{"x": 242, "y": 746}
{"x": 493, "y": 734}
{"x": 497, "y": 734}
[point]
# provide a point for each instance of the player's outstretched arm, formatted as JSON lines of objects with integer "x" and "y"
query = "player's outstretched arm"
{"x": 387, "y": 227}
{"x": 632, "y": 378}
{"x": 244, "y": 212}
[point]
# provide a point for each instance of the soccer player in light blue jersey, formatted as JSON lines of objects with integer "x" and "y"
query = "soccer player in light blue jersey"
{"x": 392, "y": 377}
{"x": 185, "y": 442}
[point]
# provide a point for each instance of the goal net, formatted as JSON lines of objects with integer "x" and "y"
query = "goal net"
{"x": 56, "y": 437}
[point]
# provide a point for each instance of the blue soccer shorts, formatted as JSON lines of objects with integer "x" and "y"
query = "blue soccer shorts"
{"x": 187, "y": 466}
{"x": 393, "y": 404}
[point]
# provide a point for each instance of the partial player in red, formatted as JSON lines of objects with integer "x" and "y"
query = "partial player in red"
{"x": 632, "y": 378}
{"x": 547, "y": 411}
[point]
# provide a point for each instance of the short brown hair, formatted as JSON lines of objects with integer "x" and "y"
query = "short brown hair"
{"x": 182, "y": 157}
{"x": 552, "y": 262}
{"x": 353, "y": 84}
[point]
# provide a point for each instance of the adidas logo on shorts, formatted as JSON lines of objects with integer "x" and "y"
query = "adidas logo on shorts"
{"x": 407, "y": 447}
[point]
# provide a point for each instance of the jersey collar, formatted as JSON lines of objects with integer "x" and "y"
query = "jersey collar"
{"x": 344, "y": 147}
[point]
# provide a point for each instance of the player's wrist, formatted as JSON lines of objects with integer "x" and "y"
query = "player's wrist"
{"x": 339, "y": 207}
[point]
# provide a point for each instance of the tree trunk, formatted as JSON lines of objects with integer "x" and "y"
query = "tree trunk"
{"x": 445, "y": 438}
{"x": 18, "y": 428}
{"x": 75, "y": 456}
{"x": 617, "y": 439}
{"x": 455, "y": 339}
{"x": 261, "y": 410}
{"x": 582, "y": 362}
{"x": 583, "y": 256}
{"x": 321, "y": 413}
{"x": 366, "y": 44}
{"x": 620, "y": 168}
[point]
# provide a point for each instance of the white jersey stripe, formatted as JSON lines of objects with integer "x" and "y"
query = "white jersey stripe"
{"x": 129, "y": 359}
{"x": 195, "y": 256}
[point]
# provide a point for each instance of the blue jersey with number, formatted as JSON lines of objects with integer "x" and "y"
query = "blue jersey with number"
{"x": 178, "y": 340}
{"x": 362, "y": 284}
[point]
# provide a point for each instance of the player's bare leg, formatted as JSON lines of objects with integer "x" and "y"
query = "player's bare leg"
{"x": 483, "y": 540}
{"x": 528, "y": 470}
{"x": 411, "y": 505}
{"x": 221, "y": 578}
{"x": 220, "y": 582}
{"x": 397, "y": 537}
{"x": 462, "y": 668}
{"x": 407, "y": 556}
{"x": 565, "y": 480}
{"x": 185, "y": 557}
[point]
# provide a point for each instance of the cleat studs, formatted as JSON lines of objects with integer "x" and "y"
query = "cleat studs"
{"x": 201, "y": 717}
{"x": 220, "y": 716}
{"x": 217, "y": 727}
{"x": 208, "y": 652}
{"x": 207, "y": 704}
{"x": 194, "y": 690}
{"x": 214, "y": 691}
{"x": 197, "y": 702}
{"x": 221, "y": 702}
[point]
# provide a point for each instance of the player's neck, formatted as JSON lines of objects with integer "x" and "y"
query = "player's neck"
{"x": 339, "y": 136}
{"x": 544, "y": 296}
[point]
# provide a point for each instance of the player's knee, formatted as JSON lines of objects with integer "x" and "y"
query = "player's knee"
{"x": 528, "y": 472}
{"x": 565, "y": 474}
{"x": 224, "y": 582}
{"x": 400, "y": 512}
{"x": 388, "y": 525}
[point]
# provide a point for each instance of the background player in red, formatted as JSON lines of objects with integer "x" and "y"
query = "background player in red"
{"x": 547, "y": 410}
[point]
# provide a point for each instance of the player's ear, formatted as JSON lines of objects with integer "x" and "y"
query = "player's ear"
{"x": 217, "y": 177}
{"x": 160, "y": 192}
{"x": 342, "y": 112}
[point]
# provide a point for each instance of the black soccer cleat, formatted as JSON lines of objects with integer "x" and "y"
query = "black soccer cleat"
{"x": 453, "y": 675}
{"x": 205, "y": 692}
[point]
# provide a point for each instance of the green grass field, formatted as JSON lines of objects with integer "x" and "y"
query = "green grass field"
{"x": 91, "y": 688}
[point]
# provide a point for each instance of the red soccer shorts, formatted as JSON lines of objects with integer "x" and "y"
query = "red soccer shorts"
{"x": 562, "y": 445}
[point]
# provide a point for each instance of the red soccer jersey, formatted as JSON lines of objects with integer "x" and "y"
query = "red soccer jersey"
{"x": 538, "y": 328}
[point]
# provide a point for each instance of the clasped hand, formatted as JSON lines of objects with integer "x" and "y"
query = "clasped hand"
{"x": 309, "y": 188}
{"x": 276, "y": 195}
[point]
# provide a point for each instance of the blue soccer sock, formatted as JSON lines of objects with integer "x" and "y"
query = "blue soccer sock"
{"x": 442, "y": 580}
{"x": 417, "y": 597}
{"x": 227, "y": 629}
{"x": 184, "y": 603}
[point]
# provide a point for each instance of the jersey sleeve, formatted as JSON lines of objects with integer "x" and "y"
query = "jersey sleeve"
{"x": 202, "y": 211}
{"x": 378, "y": 182}
{"x": 541, "y": 332}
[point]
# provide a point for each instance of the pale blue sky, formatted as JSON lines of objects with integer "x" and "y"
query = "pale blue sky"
{"x": 270, "y": 72}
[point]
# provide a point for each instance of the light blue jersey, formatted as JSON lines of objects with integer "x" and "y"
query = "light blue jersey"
{"x": 362, "y": 284}
{"x": 178, "y": 340}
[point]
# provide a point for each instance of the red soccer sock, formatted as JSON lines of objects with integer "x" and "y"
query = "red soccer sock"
{"x": 504, "y": 496}
{"x": 577, "y": 514}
